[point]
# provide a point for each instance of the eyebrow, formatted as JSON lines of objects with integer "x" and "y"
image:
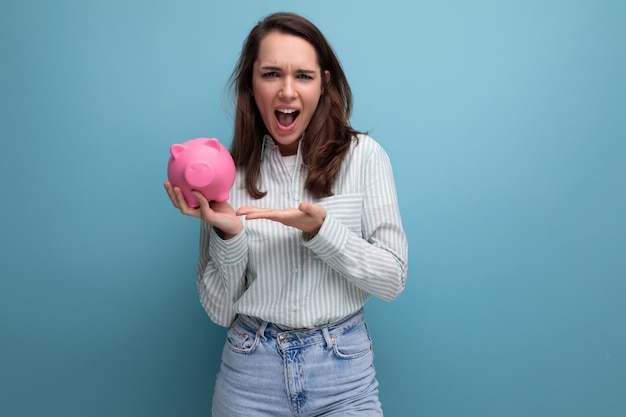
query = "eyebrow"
{"x": 299, "y": 71}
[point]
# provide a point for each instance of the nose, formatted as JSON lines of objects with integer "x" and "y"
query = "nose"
{"x": 199, "y": 174}
{"x": 288, "y": 89}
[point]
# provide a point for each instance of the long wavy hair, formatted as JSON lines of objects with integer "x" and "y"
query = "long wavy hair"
{"x": 328, "y": 137}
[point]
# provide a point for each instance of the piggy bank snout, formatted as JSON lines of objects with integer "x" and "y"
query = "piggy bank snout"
{"x": 199, "y": 174}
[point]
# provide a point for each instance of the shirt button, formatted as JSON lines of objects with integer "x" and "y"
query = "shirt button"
{"x": 294, "y": 269}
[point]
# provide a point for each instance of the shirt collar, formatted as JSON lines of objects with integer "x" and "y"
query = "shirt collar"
{"x": 268, "y": 145}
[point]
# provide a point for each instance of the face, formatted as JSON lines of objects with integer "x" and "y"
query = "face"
{"x": 287, "y": 86}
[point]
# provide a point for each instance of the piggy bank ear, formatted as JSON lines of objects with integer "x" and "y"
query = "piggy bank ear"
{"x": 212, "y": 142}
{"x": 176, "y": 149}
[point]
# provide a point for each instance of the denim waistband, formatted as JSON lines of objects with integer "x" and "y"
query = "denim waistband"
{"x": 289, "y": 337}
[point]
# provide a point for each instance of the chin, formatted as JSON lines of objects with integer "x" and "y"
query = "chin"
{"x": 286, "y": 139}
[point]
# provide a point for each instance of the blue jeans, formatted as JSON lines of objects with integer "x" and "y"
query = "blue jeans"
{"x": 268, "y": 370}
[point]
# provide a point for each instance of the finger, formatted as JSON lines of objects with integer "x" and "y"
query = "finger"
{"x": 244, "y": 210}
{"x": 182, "y": 203}
{"x": 174, "y": 194}
{"x": 261, "y": 214}
{"x": 288, "y": 216}
{"x": 269, "y": 214}
{"x": 201, "y": 198}
{"x": 170, "y": 192}
{"x": 205, "y": 204}
{"x": 313, "y": 210}
{"x": 168, "y": 188}
{"x": 220, "y": 206}
{"x": 204, "y": 210}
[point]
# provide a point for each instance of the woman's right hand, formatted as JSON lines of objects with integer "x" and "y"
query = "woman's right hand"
{"x": 218, "y": 214}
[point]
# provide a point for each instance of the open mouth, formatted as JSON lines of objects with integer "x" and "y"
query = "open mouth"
{"x": 286, "y": 117}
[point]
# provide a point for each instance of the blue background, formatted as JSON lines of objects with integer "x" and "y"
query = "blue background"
{"x": 506, "y": 125}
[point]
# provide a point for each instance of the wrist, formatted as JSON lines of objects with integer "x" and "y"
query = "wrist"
{"x": 227, "y": 235}
{"x": 308, "y": 235}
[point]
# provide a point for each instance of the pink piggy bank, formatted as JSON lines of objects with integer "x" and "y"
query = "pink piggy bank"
{"x": 203, "y": 165}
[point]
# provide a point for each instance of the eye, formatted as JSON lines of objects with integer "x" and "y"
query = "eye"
{"x": 270, "y": 74}
{"x": 305, "y": 77}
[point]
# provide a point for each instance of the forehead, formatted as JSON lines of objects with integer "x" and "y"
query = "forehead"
{"x": 280, "y": 49}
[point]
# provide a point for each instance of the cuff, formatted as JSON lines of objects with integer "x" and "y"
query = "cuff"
{"x": 227, "y": 252}
{"x": 330, "y": 239}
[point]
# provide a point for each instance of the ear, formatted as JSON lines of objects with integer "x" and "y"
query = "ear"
{"x": 212, "y": 143}
{"x": 176, "y": 149}
{"x": 326, "y": 80}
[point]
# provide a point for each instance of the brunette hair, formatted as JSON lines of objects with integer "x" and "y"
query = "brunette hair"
{"x": 328, "y": 136}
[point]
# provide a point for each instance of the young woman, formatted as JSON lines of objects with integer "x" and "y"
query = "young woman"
{"x": 311, "y": 230}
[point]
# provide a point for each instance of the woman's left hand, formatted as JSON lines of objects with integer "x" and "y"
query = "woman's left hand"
{"x": 308, "y": 217}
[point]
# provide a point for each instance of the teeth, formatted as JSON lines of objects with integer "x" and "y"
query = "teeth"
{"x": 287, "y": 111}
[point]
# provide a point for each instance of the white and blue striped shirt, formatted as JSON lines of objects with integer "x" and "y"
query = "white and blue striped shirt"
{"x": 276, "y": 273}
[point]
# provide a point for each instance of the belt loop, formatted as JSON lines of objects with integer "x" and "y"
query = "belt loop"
{"x": 261, "y": 331}
{"x": 329, "y": 340}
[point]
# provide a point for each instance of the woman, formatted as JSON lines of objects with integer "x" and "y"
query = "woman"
{"x": 311, "y": 230}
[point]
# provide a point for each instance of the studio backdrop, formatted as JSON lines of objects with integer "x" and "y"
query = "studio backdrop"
{"x": 505, "y": 122}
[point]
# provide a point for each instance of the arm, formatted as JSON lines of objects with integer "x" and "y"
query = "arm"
{"x": 221, "y": 273}
{"x": 223, "y": 254}
{"x": 358, "y": 234}
{"x": 376, "y": 260}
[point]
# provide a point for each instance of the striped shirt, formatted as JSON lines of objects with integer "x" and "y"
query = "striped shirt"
{"x": 282, "y": 275}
